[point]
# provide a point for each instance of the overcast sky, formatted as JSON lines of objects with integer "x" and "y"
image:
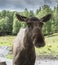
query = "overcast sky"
{"x": 22, "y": 4}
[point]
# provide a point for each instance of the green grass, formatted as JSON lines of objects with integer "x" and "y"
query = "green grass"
{"x": 10, "y": 56}
{"x": 51, "y": 47}
{"x": 6, "y": 40}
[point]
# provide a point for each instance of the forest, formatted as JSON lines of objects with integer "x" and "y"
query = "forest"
{"x": 9, "y": 24}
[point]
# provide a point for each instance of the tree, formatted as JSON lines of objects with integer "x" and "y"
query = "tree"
{"x": 3, "y": 13}
{"x": 38, "y": 10}
{"x": 31, "y": 13}
{"x": 16, "y": 25}
{"x": 56, "y": 18}
{"x": 44, "y": 11}
{"x": 26, "y": 13}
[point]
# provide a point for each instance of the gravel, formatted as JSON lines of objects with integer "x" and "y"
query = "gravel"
{"x": 40, "y": 60}
{"x": 46, "y": 62}
{"x": 4, "y": 50}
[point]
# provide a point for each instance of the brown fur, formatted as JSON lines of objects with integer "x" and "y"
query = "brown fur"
{"x": 2, "y": 63}
{"x": 23, "y": 48}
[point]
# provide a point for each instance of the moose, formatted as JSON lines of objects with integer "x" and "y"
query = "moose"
{"x": 27, "y": 38}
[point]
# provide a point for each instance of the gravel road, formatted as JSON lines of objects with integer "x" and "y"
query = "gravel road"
{"x": 38, "y": 61}
{"x": 41, "y": 60}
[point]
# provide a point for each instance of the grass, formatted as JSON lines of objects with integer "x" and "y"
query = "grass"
{"x": 51, "y": 47}
{"x": 6, "y": 40}
{"x": 10, "y": 56}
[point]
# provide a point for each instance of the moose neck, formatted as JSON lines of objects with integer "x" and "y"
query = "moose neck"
{"x": 27, "y": 40}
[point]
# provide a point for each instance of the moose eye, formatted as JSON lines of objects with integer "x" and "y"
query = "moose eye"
{"x": 30, "y": 24}
{"x": 41, "y": 23}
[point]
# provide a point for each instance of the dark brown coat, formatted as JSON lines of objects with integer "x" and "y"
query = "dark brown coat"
{"x": 23, "y": 47}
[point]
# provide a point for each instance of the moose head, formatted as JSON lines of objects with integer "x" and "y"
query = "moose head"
{"x": 34, "y": 26}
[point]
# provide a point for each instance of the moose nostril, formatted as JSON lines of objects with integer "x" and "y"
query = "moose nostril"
{"x": 38, "y": 45}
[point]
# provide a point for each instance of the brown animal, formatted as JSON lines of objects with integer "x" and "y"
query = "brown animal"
{"x": 2, "y": 63}
{"x": 23, "y": 48}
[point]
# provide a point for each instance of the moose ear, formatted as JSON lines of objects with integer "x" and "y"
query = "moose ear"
{"x": 21, "y": 18}
{"x": 46, "y": 18}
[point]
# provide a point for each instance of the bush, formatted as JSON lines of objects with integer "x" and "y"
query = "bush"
{"x": 5, "y": 26}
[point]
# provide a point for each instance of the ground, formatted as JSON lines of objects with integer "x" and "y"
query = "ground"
{"x": 47, "y": 55}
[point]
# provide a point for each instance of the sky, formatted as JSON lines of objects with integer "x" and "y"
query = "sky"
{"x": 19, "y": 5}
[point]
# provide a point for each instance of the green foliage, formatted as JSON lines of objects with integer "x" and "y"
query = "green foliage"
{"x": 16, "y": 25}
{"x": 1, "y": 26}
{"x": 9, "y": 24}
{"x": 6, "y": 22}
{"x": 48, "y": 27}
{"x": 31, "y": 14}
{"x": 3, "y": 13}
{"x": 56, "y": 18}
{"x": 5, "y": 26}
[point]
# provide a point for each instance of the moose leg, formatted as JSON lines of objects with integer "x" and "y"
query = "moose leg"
{"x": 2, "y": 63}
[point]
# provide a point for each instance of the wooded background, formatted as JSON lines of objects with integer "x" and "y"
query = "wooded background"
{"x": 9, "y": 24}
